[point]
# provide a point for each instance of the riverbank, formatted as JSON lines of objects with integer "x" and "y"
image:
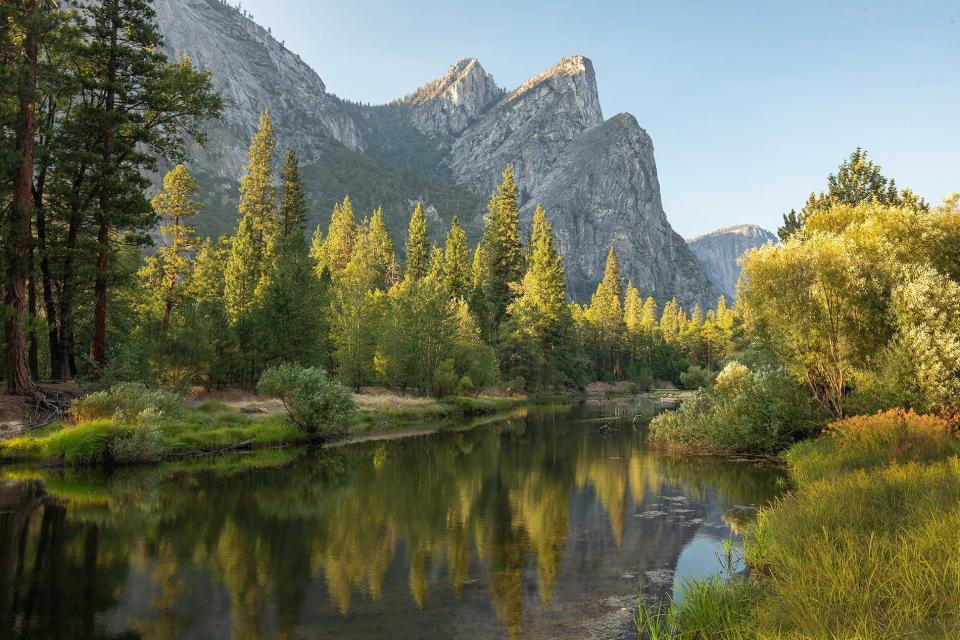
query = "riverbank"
{"x": 226, "y": 422}
{"x": 865, "y": 546}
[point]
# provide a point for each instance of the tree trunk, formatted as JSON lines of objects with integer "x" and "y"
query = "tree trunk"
{"x": 18, "y": 248}
{"x": 33, "y": 352}
{"x": 98, "y": 345}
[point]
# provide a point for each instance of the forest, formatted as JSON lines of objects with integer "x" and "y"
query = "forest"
{"x": 106, "y": 285}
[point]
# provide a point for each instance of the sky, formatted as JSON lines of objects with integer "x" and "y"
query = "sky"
{"x": 750, "y": 104}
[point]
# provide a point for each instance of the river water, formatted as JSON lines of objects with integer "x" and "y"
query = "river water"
{"x": 546, "y": 524}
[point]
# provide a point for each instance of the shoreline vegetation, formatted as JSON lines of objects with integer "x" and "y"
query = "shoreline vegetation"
{"x": 865, "y": 546}
{"x": 846, "y": 366}
{"x": 169, "y": 428}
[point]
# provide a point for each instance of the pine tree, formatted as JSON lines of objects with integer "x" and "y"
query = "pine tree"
{"x": 249, "y": 255}
{"x": 632, "y": 309}
{"x": 239, "y": 276}
{"x": 335, "y": 251}
{"x": 418, "y": 245}
{"x": 502, "y": 247}
{"x": 605, "y": 316}
{"x": 177, "y": 204}
{"x": 648, "y": 317}
{"x": 293, "y": 201}
{"x": 540, "y": 339}
{"x": 382, "y": 255}
{"x": 456, "y": 262}
{"x": 137, "y": 106}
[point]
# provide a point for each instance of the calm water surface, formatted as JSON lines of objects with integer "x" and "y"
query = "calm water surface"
{"x": 544, "y": 525}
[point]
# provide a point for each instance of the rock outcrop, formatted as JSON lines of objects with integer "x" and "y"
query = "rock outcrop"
{"x": 529, "y": 127}
{"x": 447, "y": 106}
{"x": 446, "y": 144}
{"x": 603, "y": 191}
{"x": 719, "y": 251}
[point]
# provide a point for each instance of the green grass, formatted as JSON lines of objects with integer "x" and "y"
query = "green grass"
{"x": 867, "y": 546}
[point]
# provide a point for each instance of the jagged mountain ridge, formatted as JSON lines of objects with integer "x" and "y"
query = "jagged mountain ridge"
{"x": 446, "y": 144}
{"x": 719, "y": 251}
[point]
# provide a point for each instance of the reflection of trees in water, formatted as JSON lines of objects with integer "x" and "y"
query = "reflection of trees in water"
{"x": 500, "y": 492}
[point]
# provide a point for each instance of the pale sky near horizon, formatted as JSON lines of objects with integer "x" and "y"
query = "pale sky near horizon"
{"x": 750, "y": 104}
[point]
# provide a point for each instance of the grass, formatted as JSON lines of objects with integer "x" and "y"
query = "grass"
{"x": 132, "y": 425}
{"x": 867, "y": 546}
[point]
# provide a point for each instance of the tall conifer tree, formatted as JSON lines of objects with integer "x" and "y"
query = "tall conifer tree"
{"x": 503, "y": 250}
{"x": 456, "y": 262}
{"x": 418, "y": 245}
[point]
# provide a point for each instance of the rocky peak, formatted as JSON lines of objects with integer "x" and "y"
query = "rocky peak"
{"x": 603, "y": 190}
{"x": 529, "y": 127}
{"x": 447, "y": 106}
{"x": 719, "y": 252}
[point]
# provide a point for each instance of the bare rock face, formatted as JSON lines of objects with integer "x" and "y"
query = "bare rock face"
{"x": 447, "y": 106}
{"x": 252, "y": 71}
{"x": 603, "y": 190}
{"x": 529, "y": 127}
{"x": 719, "y": 251}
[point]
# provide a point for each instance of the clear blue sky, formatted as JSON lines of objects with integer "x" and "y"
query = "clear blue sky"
{"x": 750, "y": 104}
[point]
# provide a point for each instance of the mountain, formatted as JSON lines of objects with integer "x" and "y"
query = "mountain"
{"x": 444, "y": 144}
{"x": 718, "y": 252}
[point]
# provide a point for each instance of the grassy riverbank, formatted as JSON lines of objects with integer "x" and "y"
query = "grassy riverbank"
{"x": 866, "y": 546}
{"x": 178, "y": 430}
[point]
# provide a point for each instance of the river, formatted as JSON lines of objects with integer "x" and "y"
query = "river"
{"x": 545, "y": 524}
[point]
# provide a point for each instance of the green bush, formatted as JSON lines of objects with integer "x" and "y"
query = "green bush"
{"x": 696, "y": 377}
{"x": 314, "y": 401}
{"x": 764, "y": 410}
{"x": 144, "y": 444}
{"x": 127, "y": 403}
{"x": 445, "y": 379}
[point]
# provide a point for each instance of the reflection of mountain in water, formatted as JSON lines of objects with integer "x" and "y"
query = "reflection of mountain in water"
{"x": 536, "y": 526}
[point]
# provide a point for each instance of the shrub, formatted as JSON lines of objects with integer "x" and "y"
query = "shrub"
{"x": 313, "y": 400}
{"x": 696, "y": 377}
{"x": 763, "y": 410}
{"x": 445, "y": 379}
{"x": 137, "y": 446}
{"x": 127, "y": 402}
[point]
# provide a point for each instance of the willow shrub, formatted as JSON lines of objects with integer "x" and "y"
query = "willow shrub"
{"x": 758, "y": 410}
{"x": 314, "y": 401}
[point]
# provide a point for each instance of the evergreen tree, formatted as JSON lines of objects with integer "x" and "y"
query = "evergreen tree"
{"x": 293, "y": 201}
{"x": 137, "y": 106}
{"x": 503, "y": 251}
{"x": 239, "y": 276}
{"x": 177, "y": 204}
{"x": 605, "y": 317}
{"x": 857, "y": 180}
{"x": 208, "y": 314}
{"x": 382, "y": 255}
{"x": 335, "y": 251}
{"x": 539, "y": 345}
{"x": 247, "y": 267}
{"x": 418, "y": 245}
{"x": 456, "y": 262}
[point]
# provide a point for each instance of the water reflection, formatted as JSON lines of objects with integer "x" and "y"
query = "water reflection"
{"x": 545, "y": 524}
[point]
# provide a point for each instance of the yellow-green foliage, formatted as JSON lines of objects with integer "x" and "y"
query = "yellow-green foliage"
{"x": 866, "y": 442}
{"x": 87, "y": 443}
{"x": 865, "y": 547}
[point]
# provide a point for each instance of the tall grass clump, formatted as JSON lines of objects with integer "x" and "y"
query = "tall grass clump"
{"x": 127, "y": 403}
{"x": 866, "y": 442}
{"x": 758, "y": 410}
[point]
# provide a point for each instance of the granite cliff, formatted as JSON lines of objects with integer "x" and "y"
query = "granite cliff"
{"x": 719, "y": 251}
